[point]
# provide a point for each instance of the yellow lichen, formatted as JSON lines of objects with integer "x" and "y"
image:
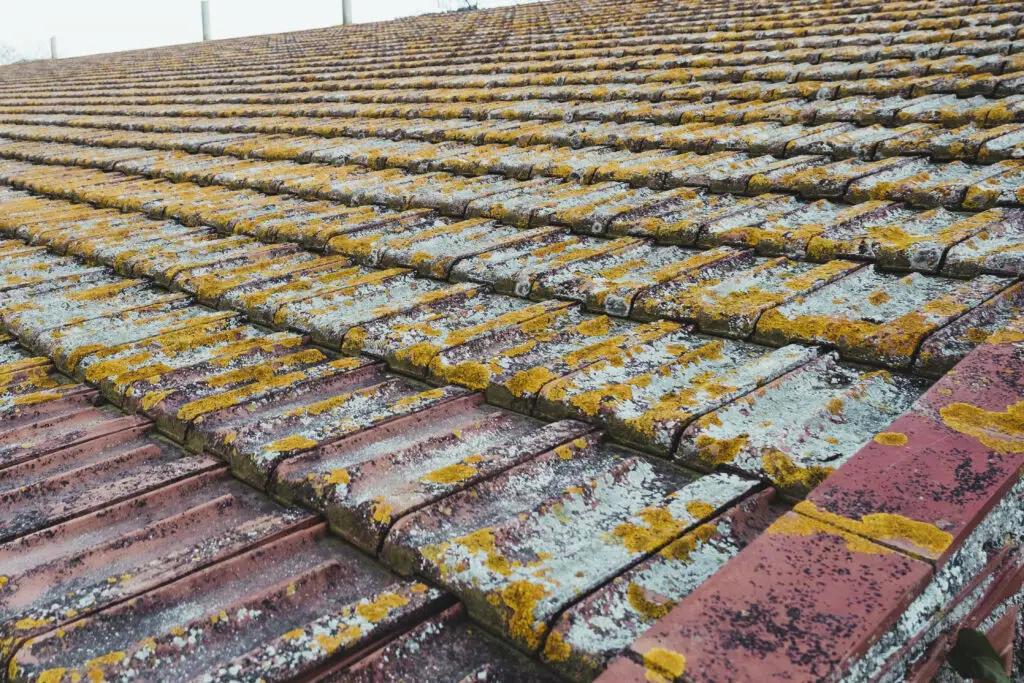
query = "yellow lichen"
{"x": 152, "y": 398}
{"x": 801, "y": 525}
{"x": 1003, "y": 432}
{"x": 637, "y": 598}
{"x": 660, "y": 527}
{"x": 522, "y": 597}
{"x": 529, "y": 381}
{"x": 788, "y": 474}
{"x": 891, "y": 439}
{"x": 664, "y": 664}
{"x": 48, "y": 676}
{"x": 452, "y": 474}
{"x": 380, "y": 607}
{"x": 719, "y": 451}
{"x": 295, "y": 442}
{"x": 381, "y": 512}
{"x": 881, "y": 525}
{"x": 346, "y": 636}
{"x": 556, "y": 649}
{"x": 337, "y": 477}
{"x": 469, "y": 374}
{"x": 700, "y": 509}
{"x": 28, "y": 623}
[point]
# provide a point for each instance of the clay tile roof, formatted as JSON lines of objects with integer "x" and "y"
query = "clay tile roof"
{"x": 565, "y": 341}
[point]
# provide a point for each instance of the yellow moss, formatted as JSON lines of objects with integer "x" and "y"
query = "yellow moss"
{"x": 375, "y": 611}
{"x": 28, "y": 623}
{"x": 452, "y": 474}
{"x": 835, "y": 406}
{"x": 700, "y": 509}
{"x": 801, "y": 525}
{"x": 381, "y": 512}
{"x": 469, "y": 374}
{"x": 556, "y": 649}
{"x": 418, "y": 355}
{"x": 652, "y": 610}
{"x": 345, "y": 636}
{"x": 880, "y": 525}
{"x": 294, "y": 634}
{"x": 891, "y": 439}
{"x": 34, "y": 398}
{"x": 787, "y": 474}
{"x": 337, "y": 477}
{"x": 719, "y": 451}
{"x": 660, "y": 528}
{"x": 522, "y": 597}
{"x": 1003, "y": 432}
{"x": 295, "y": 442}
{"x": 666, "y": 663}
{"x": 48, "y": 676}
{"x": 151, "y": 398}
{"x": 529, "y": 381}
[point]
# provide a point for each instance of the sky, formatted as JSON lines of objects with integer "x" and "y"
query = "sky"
{"x": 85, "y": 27}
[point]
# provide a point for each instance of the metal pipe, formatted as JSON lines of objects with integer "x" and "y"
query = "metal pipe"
{"x": 346, "y": 11}
{"x": 53, "y": 47}
{"x": 206, "y": 19}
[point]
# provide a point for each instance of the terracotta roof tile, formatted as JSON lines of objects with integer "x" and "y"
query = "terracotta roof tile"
{"x": 433, "y": 279}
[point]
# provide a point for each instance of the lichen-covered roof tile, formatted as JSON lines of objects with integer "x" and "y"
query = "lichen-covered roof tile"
{"x": 579, "y": 517}
{"x": 876, "y": 317}
{"x": 591, "y": 633}
{"x": 728, "y": 297}
{"x": 83, "y": 565}
{"x": 366, "y": 482}
{"x": 266, "y": 613}
{"x": 648, "y": 396}
{"x": 797, "y": 429}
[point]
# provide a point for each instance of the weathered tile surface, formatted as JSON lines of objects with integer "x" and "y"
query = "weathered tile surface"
{"x": 830, "y": 593}
{"x": 877, "y": 317}
{"x": 591, "y": 633}
{"x": 936, "y": 471}
{"x": 276, "y": 612}
{"x": 796, "y": 430}
{"x": 582, "y": 513}
{"x": 110, "y": 555}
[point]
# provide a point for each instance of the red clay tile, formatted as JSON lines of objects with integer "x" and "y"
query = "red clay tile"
{"x": 925, "y": 482}
{"x": 802, "y": 602}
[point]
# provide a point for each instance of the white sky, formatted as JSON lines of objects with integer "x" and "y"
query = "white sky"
{"x": 87, "y": 27}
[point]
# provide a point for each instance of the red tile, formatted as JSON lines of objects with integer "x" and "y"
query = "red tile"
{"x": 932, "y": 476}
{"x": 800, "y": 603}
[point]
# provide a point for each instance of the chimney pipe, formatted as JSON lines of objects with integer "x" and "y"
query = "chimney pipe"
{"x": 206, "y": 19}
{"x": 346, "y": 11}
{"x": 53, "y": 47}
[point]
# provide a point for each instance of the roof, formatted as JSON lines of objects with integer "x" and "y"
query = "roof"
{"x": 567, "y": 341}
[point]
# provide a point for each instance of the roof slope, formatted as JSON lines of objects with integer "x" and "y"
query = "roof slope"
{"x": 653, "y": 340}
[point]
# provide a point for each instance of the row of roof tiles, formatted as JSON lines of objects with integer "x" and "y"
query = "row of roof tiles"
{"x": 712, "y": 288}
{"x": 832, "y": 139}
{"x": 587, "y": 26}
{"x": 205, "y": 380}
{"x": 962, "y": 245}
